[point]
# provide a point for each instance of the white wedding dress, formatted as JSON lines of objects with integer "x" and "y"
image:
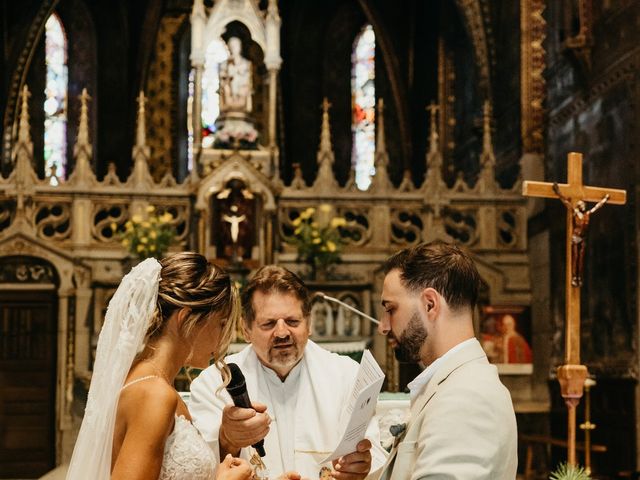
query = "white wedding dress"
{"x": 186, "y": 455}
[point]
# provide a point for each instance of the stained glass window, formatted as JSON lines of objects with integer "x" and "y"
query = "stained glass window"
{"x": 55, "y": 104}
{"x": 363, "y": 101}
{"x": 190, "y": 90}
{"x": 216, "y": 53}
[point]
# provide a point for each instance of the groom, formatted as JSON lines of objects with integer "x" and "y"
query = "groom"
{"x": 462, "y": 422}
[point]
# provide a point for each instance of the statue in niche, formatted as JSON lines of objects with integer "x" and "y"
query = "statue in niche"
{"x": 235, "y": 80}
{"x": 234, "y": 124}
{"x": 233, "y": 229}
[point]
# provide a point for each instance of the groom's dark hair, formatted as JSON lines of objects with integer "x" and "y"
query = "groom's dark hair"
{"x": 439, "y": 265}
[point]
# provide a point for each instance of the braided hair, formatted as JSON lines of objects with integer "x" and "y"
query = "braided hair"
{"x": 188, "y": 280}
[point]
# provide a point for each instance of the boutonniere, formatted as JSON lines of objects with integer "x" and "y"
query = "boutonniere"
{"x": 398, "y": 430}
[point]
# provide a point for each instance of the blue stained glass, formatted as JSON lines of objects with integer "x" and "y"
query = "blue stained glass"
{"x": 363, "y": 102}
{"x": 55, "y": 104}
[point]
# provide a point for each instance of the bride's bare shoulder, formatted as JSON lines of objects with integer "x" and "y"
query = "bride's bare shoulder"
{"x": 145, "y": 418}
{"x": 149, "y": 400}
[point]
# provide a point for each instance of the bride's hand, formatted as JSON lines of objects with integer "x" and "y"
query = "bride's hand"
{"x": 234, "y": 469}
{"x": 291, "y": 476}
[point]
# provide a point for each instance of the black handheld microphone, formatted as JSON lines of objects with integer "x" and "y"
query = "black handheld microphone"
{"x": 237, "y": 388}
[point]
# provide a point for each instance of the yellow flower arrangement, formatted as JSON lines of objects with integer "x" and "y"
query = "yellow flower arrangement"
{"x": 147, "y": 237}
{"x": 317, "y": 236}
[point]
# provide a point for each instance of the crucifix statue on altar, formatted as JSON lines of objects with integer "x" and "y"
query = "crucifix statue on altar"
{"x": 574, "y": 195}
{"x": 234, "y": 222}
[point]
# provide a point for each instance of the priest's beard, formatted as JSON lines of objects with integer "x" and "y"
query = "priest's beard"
{"x": 411, "y": 340}
{"x": 286, "y": 358}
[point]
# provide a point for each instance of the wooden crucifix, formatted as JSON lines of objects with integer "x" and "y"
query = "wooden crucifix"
{"x": 574, "y": 196}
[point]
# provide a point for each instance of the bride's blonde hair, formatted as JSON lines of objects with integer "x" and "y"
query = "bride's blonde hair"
{"x": 188, "y": 280}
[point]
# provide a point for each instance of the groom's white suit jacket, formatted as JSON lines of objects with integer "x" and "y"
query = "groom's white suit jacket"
{"x": 462, "y": 425}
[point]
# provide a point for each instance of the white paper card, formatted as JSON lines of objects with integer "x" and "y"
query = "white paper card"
{"x": 361, "y": 407}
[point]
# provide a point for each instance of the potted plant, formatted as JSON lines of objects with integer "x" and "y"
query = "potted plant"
{"x": 566, "y": 471}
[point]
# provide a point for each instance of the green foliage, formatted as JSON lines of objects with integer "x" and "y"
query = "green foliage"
{"x": 569, "y": 472}
{"x": 147, "y": 237}
{"x": 317, "y": 236}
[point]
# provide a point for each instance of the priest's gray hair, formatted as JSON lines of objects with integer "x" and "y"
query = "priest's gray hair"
{"x": 273, "y": 278}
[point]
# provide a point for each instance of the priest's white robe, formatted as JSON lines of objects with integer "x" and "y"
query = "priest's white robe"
{"x": 306, "y": 409}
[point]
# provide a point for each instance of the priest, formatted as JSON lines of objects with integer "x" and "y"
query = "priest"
{"x": 298, "y": 388}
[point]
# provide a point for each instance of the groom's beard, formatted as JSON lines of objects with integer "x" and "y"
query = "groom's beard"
{"x": 411, "y": 340}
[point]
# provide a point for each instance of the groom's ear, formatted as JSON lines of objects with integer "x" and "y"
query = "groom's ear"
{"x": 431, "y": 301}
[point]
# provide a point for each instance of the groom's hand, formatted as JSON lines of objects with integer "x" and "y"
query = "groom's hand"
{"x": 355, "y": 465}
{"x": 234, "y": 469}
{"x": 242, "y": 427}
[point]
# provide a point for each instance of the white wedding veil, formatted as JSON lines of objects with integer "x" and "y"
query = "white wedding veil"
{"x": 122, "y": 337}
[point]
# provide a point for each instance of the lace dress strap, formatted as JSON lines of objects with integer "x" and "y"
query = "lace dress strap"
{"x": 139, "y": 380}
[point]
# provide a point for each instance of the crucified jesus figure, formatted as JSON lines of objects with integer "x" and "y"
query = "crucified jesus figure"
{"x": 580, "y": 221}
{"x": 234, "y": 221}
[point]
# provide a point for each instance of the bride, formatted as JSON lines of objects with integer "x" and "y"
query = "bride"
{"x": 163, "y": 316}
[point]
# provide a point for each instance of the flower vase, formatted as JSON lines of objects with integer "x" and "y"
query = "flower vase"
{"x": 318, "y": 272}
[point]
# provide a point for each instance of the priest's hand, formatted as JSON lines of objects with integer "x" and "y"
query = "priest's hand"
{"x": 242, "y": 427}
{"x": 355, "y": 465}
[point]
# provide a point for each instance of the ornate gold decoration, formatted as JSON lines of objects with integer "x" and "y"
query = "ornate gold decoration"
{"x": 532, "y": 84}
{"x": 471, "y": 12}
{"x": 446, "y": 98}
{"x": 71, "y": 356}
{"x": 161, "y": 103}
{"x": 582, "y": 42}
